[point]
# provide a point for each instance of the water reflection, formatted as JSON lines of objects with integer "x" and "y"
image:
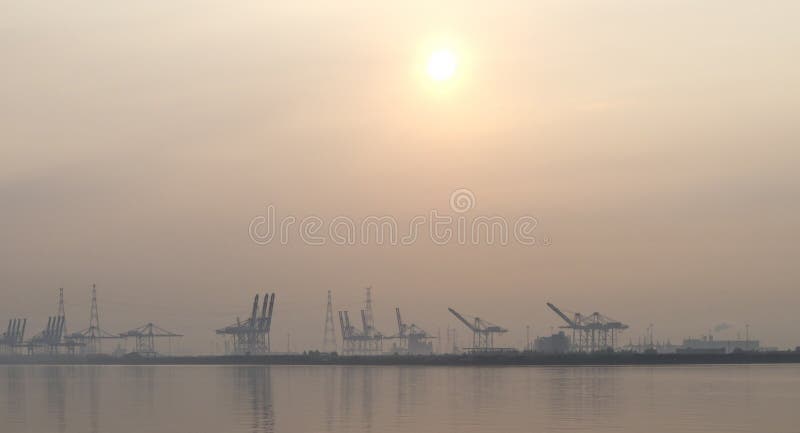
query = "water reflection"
{"x": 55, "y": 383}
{"x": 357, "y": 399}
{"x": 93, "y": 377}
{"x": 141, "y": 381}
{"x": 253, "y": 388}
{"x": 329, "y": 389}
{"x": 366, "y": 376}
{"x": 15, "y": 393}
{"x": 410, "y": 390}
{"x": 582, "y": 394}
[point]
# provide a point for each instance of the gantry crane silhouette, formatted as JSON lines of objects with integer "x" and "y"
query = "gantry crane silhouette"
{"x": 482, "y": 331}
{"x": 145, "y": 336}
{"x": 591, "y": 333}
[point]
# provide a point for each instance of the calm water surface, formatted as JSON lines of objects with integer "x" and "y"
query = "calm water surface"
{"x": 222, "y": 399}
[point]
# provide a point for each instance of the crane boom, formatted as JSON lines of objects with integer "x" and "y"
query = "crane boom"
{"x": 364, "y": 323}
{"x": 399, "y": 322}
{"x": 269, "y": 312}
{"x": 262, "y": 322}
{"x": 463, "y": 320}
{"x": 341, "y": 323}
{"x": 562, "y": 315}
{"x": 254, "y": 314}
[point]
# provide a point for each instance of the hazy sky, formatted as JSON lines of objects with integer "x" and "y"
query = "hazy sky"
{"x": 657, "y": 144}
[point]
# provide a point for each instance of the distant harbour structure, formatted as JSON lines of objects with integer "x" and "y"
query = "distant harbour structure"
{"x": 555, "y": 344}
{"x": 364, "y": 341}
{"x": 251, "y": 336}
{"x": 591, "y": 333}
{"x": 90, "y": 339}
{"x": 145, "y": 338}
{"x": 708, "y": 344}
{"x": 14, "y": 335}
{"x": 583, "y": 334}
{"x": 412, "y": 340}
{"x": 329, "y": 335}
{"x": 483, "y": 333}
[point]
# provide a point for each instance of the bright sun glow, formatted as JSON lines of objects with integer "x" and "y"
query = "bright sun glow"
{"x": 442, "y": 65}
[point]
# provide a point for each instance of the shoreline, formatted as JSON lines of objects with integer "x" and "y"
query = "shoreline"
{"x": 486, "y": 359}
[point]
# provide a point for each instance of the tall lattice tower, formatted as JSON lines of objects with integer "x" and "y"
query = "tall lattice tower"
{"x": 61, "y": 312}
{"x": 94, "y": 334}
{"x": 90, "y": 337}
{"x": 369, "y": 322}
{"x": 329, "y": 339}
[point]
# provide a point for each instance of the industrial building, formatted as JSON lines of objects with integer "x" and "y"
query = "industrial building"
{"x": 554, "y": 344}
{"x": 708, "y": 344}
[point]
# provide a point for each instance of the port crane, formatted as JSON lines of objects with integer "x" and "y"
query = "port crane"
{"x": 367, "y": 341}
{"x": 591, "y": 333}
{"x": 90, "y": 338}
{"x": 405, "y": 330}
{"x": 356, "y": 341}
{"x": 14, "y": 334}
{"x": 252, "y": 336}
{"x": 413, "y": 339}
{"x": 145, "y": 336}
{"x": 482, "y": 331}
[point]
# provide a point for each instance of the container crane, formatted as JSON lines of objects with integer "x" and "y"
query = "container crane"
{"x": 482, "y": 331}
{"x": 145, "y": 336}
{"x": 252, "y": 336}
{"x": 591, "y": 333}
{"x": 413, "y": 339}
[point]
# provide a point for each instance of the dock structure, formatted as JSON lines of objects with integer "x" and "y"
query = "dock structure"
{"x": 591, "y": 333}
{"x": 90, "y": 339}
{"x": 252, "y": 336}
{"x": 411, "y": 339}
{"x": 329, "y": 335}
{"x": 14, "y": 335}
{"x": 483, "y": 332}
{"x": 50, "y": 338}
{"x": 145, "y": 338}
{"x": 367, "y": 340}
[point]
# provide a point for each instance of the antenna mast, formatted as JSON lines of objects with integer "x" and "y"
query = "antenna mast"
{"x": 329, "y": 338}
{"x": 94, "y": 323}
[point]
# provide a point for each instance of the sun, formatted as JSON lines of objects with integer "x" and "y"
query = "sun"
{"x": 442, "y": 65}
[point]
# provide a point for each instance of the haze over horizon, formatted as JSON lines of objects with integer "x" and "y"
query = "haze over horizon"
{"x": 656, "y": 145}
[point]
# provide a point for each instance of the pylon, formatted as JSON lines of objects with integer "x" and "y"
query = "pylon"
{"x": 94, "y": 324}
{"x": 368, "y": 308}
{"x": 61, "y": 312}
{"x": 329, "y": 339}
